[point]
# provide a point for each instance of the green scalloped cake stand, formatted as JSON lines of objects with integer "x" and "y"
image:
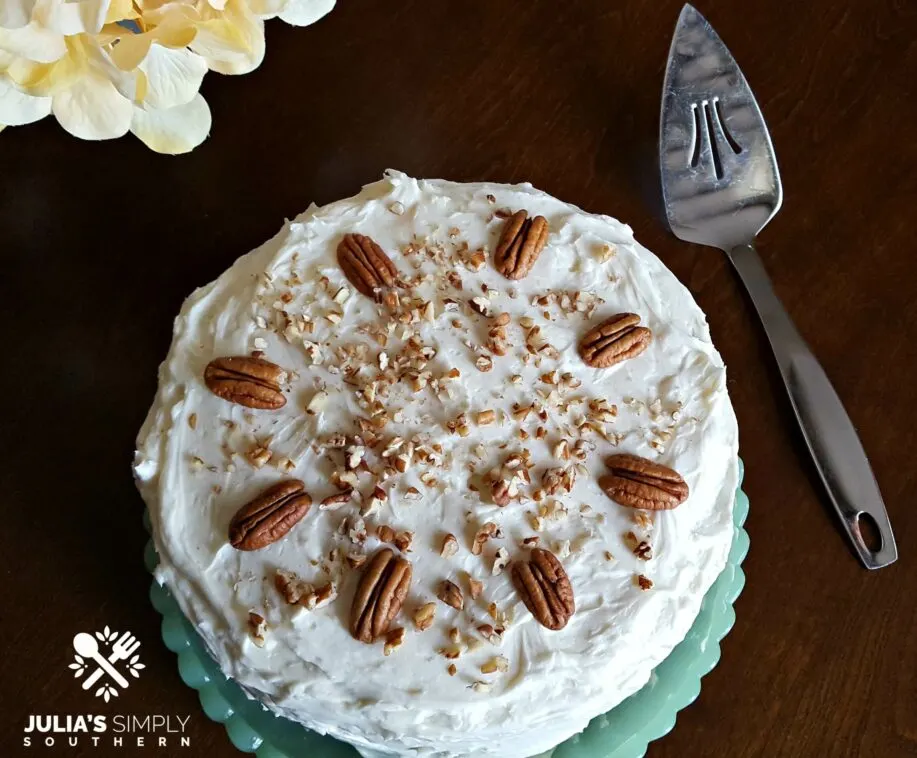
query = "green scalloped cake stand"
{"x": 623, "y": 732}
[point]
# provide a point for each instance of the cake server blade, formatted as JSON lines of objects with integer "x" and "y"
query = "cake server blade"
{"x": 721, "y": 185}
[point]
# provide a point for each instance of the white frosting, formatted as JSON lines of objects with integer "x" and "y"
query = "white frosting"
{"x": 311, "y": 670}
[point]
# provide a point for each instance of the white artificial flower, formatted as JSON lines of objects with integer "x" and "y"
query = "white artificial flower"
{"x": 61, "y": 16}
{"x": 93, "y": 99}
{"x": 295, "y": 12}
{"x": 33, "y": 42}
{"x": 231, "y": 40}
{"x": 71, "y": 16}
{"x": 18, "y": 109}
{"x": 305, "y": 12}
{"x": 104, "y": 68}
{"x": 15, "y": 14}
{"x": 173, "y": 76}
{"x": 173, "y": 130}
{"x": 92, "y": 108}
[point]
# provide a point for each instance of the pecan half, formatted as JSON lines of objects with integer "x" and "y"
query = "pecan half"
{"x": 248, "y": 381}
{"x": 520, "y": 244}
{"x": 366, "y": 265}
{"x": 640, "y": 483}
{"x": 380, "y": 595}
{"x": 269, "y": 516}
{"x": 614, "y": 340}
{"x": 545, "y": 589}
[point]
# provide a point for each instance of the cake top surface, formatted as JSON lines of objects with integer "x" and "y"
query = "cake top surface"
{"x": 420, "y": 404}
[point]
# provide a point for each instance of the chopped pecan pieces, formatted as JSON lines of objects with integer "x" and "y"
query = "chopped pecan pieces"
{"x": 385, "y": 533}
{"x": 497, "y": 664}
{"x": 483, "y": 534}
{"x": 451, "y": 594}
{"x": 493, "y": 635}
{"x": 424, "y": 616}
{"x": 449, "y": 546}
{"x": 403, "y": 541}
{"x": 500, "y": 491}
{"x": 336, "y": 500}
{"x": 257, "y": 626}
{"x": 475, "y": 588}
{"x": 393, "y": 640}
{"x": 501, "y": 559}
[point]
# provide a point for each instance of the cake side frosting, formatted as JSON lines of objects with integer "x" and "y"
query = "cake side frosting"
{"x": 200, "y": 458}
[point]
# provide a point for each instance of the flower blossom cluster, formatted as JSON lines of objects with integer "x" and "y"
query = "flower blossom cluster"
{"x": 103, "y": 68}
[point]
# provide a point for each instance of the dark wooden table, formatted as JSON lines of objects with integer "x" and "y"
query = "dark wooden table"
{"x": 102, "y": 241}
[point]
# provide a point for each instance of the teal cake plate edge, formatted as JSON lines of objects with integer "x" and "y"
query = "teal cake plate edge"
{"x": 623, "y": 732}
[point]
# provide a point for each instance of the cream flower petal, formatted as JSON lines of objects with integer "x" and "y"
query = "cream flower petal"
{"x": 14, "y": 14}
{"x": 305, "y": 12}
{"x": 71, "y": 17}
{"x": 126, "y": 82}
{"x": 6, "y": 60}
{"x": 173, "y": 76}
{"x": 266, "y": 9}
{"x": 93, "y": 109}
{"x": 233, "y": 42}
{"x": 130, "y": 50}
{"x": 174, "y": 130}
{"x": 171, "y": 28}
{"x": 160, "y": 13}
{"x": 119, "y": 10}
{"x": 17, "y": 108}
{"x": 34, "y": 43}
{"x": 49, "y": 78}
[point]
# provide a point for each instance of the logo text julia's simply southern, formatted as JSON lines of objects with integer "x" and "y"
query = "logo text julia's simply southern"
{"x": 150, "y": 730}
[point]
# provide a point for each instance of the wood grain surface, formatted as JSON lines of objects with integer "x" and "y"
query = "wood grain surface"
{"x": 102, "y": 241}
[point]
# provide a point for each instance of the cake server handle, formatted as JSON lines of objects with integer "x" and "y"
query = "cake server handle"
{"x": 828, "y": 431}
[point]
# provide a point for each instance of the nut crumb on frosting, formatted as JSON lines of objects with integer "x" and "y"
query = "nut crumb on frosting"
{"x": 449, "y": 546}
{"x": 475, "y": 588}
{"x": 451, "y": 594}
{"x": 501, "y": 559}
{"x": 424, "y": 616}
{"x": 257, "y": 627}
{"x": 481, "y": 537}
{"x": 394, "y": 638}
{"x": 497, "y": 664}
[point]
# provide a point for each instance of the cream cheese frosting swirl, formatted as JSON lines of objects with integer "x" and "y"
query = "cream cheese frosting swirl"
{"x": 199, "y": 458}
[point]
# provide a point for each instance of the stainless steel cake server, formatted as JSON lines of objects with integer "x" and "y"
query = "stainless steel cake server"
{"x": 721, "y": 186}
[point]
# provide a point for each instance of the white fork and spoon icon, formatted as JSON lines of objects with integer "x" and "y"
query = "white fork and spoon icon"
{"x": 86, "y": 645}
